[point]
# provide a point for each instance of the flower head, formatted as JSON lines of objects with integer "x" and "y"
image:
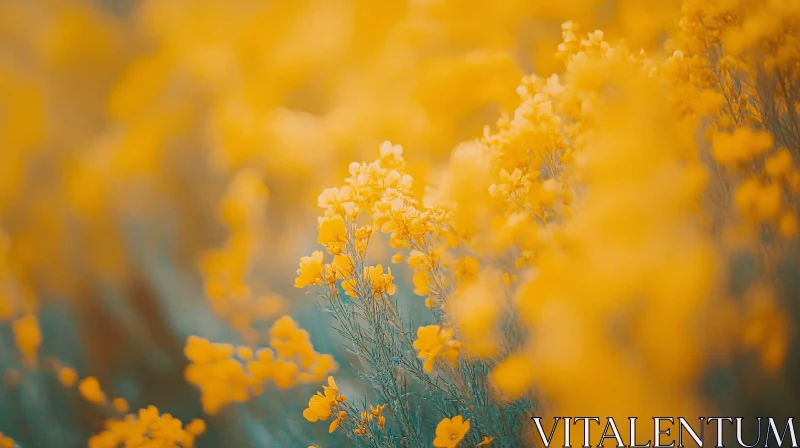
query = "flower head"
{"x": 450, "y": 432}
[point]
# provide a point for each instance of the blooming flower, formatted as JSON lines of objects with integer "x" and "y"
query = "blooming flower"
{"x": 332, "y": 231}
{"x": 322, "y": 405}
{"x": 449, "y": 432}
{"x": 148, "y": 428}
{"x": 309, "y": 271}
{"x": 434, "y": 343}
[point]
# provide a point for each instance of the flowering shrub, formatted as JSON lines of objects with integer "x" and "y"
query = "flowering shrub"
{"x": 622, "y": 240}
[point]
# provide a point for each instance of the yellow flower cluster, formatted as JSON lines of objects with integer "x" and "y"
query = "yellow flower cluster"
{"x": 226, "y": 269}
{"x": 226, "y": 373}
{"x": 383, "y": 190}
{"x": 762, "y": 194}
{"x": 435, "y": 343}
{"x": 366, "y": 417}
{"x": 147, "y": 429}
{"x": 90, "y": 390}
{"x": 324, "y": 405}
{"x": 331, "y": 403}
{"x": 745, "y": 54}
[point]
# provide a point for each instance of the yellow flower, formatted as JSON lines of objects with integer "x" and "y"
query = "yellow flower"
{"x": 513, "y": 375}
{"x": 421, "y": 280}
{"x": 339, "y": 201}
{"x": 486, "y": 441}
{"x": 332, "y": 387}
{"x": 381, "y": 283}
{"x": 787, "y": 224}
{"x": 120, "y": 405}
{"x": 196, "y": 427}
{"x": 322, "y": 365}
{"x": 67, "y": 376}
{"x": 779, "y": 164}
{"x": 332, "y": 231}
{"x": 320, "y": 406}
{"x": 349, "y": 287}
{"x": 342, "y": 266}
{"x": 89, "y": 387}
{"x": 740, "y": 146}
{"x": 475, "y": 309}
{"x": 759, "y": 202}
{"x": 289, "y": 340}
{"x": 147, "y": 428}
{"x": 284, "y": 373}
{"x": 310, "y": 270}
{"x": 433, "y": 343}
{"x": 244, "y": 352}
{"x": 337, "y": 421}
{"x": 416, "y": 259}
{"x": 376, "y": 410}
{"x": 449, "y": 432}
{"x": 27, "y": 336}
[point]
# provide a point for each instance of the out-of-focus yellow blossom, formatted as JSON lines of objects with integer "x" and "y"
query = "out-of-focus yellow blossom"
{"x": 28, "y": 337}
{"x": 779, "y": 164}
{"x": 120, "y": 405}
{"x": 223, "y": 379}
{"x": 765, "y": 328}
{"x": 434, "y": 343}
{"x": 67, "y": 376}
{"x": 450, "y": 432}
{"x": 475, "y": 309}
{"x": 90, "y": 389}
{"x": 147, "y": 429}
{"x": 742, "y": 145}
{"x": 196, "y": 427}
{"x": 514, "y": 375}
{"x": 226, "y": 269}
{"x": 757, "y": 201}
{"x": 289, "y": 340}
{"x": 787, "y": 225}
